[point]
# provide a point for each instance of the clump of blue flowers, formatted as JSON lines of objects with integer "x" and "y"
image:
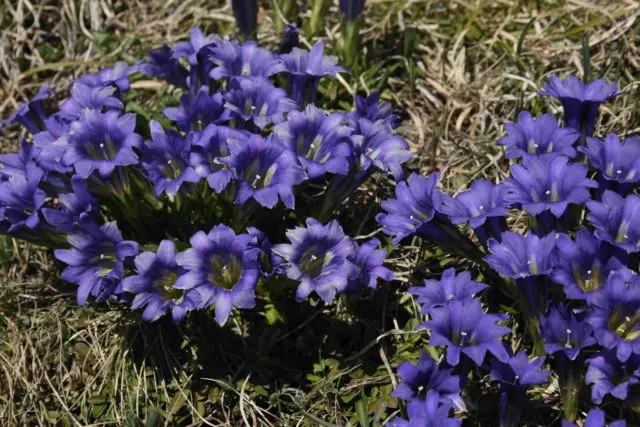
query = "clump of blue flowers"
{"x": 570, "y": 272}
{"x": 226, "y": 192}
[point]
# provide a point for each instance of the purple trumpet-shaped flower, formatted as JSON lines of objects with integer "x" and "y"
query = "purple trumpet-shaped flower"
{"x": 116, "y": 75}
{"x": 246, "y": 14}
{"x": 415, "y": 206}
{"x": 199, "y": 110}
{"x": 72, "y": 206}
{"x": 580, "y": 101}
{"x": 290, "y": 37}
{"x": 617, "y": 220}
{"x": 264, "y": 171}
{"x": 233, "y": 60}
{"x": 319, "y": 258}
{"x": 55, "y": 139}
{"x": 566, "y": 331}
{"x": 31, "y": 115}
{"x": 223, "y": 267}
{"x": 96, "y": 259}
{"x": 611, "y": 376}
{"x": 99, "y": 141}
{"x": 258, "y": 100}
{"x": 618, "y": 163}
{"x": 17, "y": 163}
{"x": 320, "y": 140}
{"x": 154, "y": 288}
{"x": 614, "y": 313}
{"x": 464, "y": 327}
{"x": 305, "y": 69}
{"x": 595, "y": 418}
{"x": 427, "y": 376}
{"x": 438, "y": 293}
{"x": 21, "y": 200}
{"x": 375, "y": 145}
{"x": 164, "y": 64}
{"x": 537, "y": 137}
{"x": 191, "y": 48}
{"x": 584, "y": 264}
{"x": 374, "y": 110}
{"x": 351, "y": 9}
{"x": 427, "y": 413}
{"x": 85, "y": 97}
{"x": 269, "y": 262}
{"x": 208, "y": 148}
{"x": 165, "y": 160}
{"x": 369, "y": 260}
{"x": 548, "y": 184}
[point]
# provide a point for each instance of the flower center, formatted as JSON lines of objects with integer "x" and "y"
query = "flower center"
{"x": 622, "y": 232}
{"x": 106, "y": 260}
{"x": 101, "y": 150}
{"x": 627, "y": 327}
{"x": 224, "y": 273}
{"x": 172, "y": 169}
{"x": 164, "y": 287}
{"x": 312, "y": 261}
{"x": 589, "y": 282}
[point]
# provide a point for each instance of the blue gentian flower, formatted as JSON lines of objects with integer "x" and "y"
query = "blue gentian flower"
{"x": 427, "y": 376}
{"x": 116, "y": 75}
{"x": 21, "y": 199}
{"x": 54, "y": 138}
{"x": 319, "y": 258}
{"x": 264, "y": 170}
{"x": 437, "y": 293}
{"x": 611, "y": 376}
{"x": 154, "y": 288}
{"x": 614, "y": 313}
{"x": 72, "y": 206}
{"x": 580, "y": 101}
{"x": 537, "y": 137}
{"x": 199, "y": 110}
{"x": 548, "y": 184}
{"x": 235, "y": 60}
{"x": 290, "y": 37}
{"x": 17, "y": 163}
{"x": 96, "y": 259}
{"x": 617, "y": 220}
{"x": 164, "y": 64}
{"x": 223, "y": 267}
{"x": 565, "y": 330}
{"x": 584, "y": 264}
{"x": 191, "y": 48}
{"x": 369, "y": 259}
{"x": 85, "y": 97}
{"x": 30, "y": 115}
{"x": 305, "y": 69}
{"x": 270, "y": 263}
{"x": 246, "y": 14}
{"x": 165, "y": 160}
{"x": 464, "y": 327}
{"x": 372, "y": 109}
{"x": 320, "y": 140}
{"x": 618, "y": 163}
{"x": 520, "y": 256}
{"x": 430, "y": 412}
{"x": 258, "y": 100}
{"x": 351, "y": 9}
{"x": 595, "y": 418}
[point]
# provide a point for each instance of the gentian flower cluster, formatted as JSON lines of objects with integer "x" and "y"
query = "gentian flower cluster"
{"x": 193, "y": 209}
{"x": 572, "y": 273}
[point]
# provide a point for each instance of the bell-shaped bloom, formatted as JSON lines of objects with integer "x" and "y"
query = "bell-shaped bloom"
{"x": 258, "y": 100}
{"x": 246, "y": 14}
{"x": 264, "y": 170}
{"x": 374, "y": 110}
{"x": 290, "y": 37}
{"x": 269, "y": 262}
{"x": 438, "y": 293}
{"x": 584, "y": 264}
{"x": 520, "y": 256}
{"x": 21, "y": 200}
{"x": 305, "y": 69}
{"x": 464, "y": 327}
{"x": 96, "y": 259}
{"x": 417, "y": 200}
{"x": 565, "y": 330}
{"x": 580, "y": 101}
{"x": 617, "y": 220}
{"x": 72, "y": 205}
{"x": 320, "y": 140}
{"x": 482, "y": 201}
{"x": 351, "y": 9}
{"x": 595, "y": 418}
{"x": 611, "y": 376}
{"x": 199, "y": 110}
{"x": 375, "y": 145}
{"x": 223, "y": 267}
{"x": 427, "y": 376}
{"x": 519, "y": 371}
{"x": 369, "y": 259}
{"x": 55, "y": 139}
{"x": 208, "y": 148}
{"x": 233, "y": 60}
{"x": 614, "y": 313}
{"x": 153, "y": 285}
{"x": 17, "y": 163}
{"x": 617, "y": 162}
{"x": 430, "y": 412}
{"x": 99, "y": 141}
{"x": 162, "y": 63}
{"x": 319, "y": 258}
{"x": 548, "y": 184}
{"x": 85, "y": 97}
{"x": 537, "y": 137}
{"x": 190, "y": 48}
{"x": 31, "y": 115}
{"x": 116, "y": 75}
{"x": 165, "y": 160}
